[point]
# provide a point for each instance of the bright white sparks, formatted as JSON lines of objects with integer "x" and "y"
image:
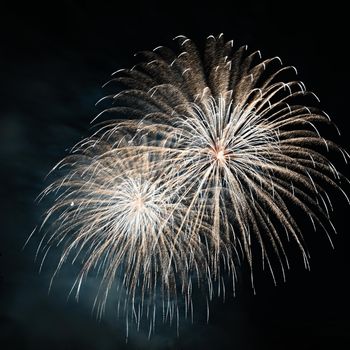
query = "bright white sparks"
{"x": 207, "y": 166}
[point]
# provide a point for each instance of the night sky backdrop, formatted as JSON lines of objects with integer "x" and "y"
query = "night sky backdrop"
{"x": 54, "y": 59}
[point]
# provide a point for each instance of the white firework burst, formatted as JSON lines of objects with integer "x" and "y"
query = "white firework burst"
{"x": 219, "y": 154}
{"x": 118, "y": 212}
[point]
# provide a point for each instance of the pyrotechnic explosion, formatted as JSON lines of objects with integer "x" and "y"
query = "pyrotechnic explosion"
{"x": 213, "y": 154}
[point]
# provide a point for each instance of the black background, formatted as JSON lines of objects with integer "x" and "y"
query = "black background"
{"x": 54, "y": 59}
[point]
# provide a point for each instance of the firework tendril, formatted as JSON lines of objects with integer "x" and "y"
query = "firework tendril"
{"x": 207, "y": 159}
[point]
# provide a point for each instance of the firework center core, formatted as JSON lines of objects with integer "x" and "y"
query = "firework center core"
{"x": 138, "y": 203}
{"x": 219, "y": 154}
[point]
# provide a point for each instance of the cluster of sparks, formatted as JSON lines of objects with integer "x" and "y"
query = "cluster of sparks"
{"x": 202, "y": 166}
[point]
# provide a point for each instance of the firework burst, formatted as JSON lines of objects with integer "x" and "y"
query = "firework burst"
{"x": 117, "y": 212}
{"x": 214, "y": 153}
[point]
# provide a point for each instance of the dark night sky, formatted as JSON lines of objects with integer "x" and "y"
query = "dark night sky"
{"x": 54, "y": 59}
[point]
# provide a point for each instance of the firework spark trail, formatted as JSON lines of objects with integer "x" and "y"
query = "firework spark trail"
{"x": 212, "y": 155}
